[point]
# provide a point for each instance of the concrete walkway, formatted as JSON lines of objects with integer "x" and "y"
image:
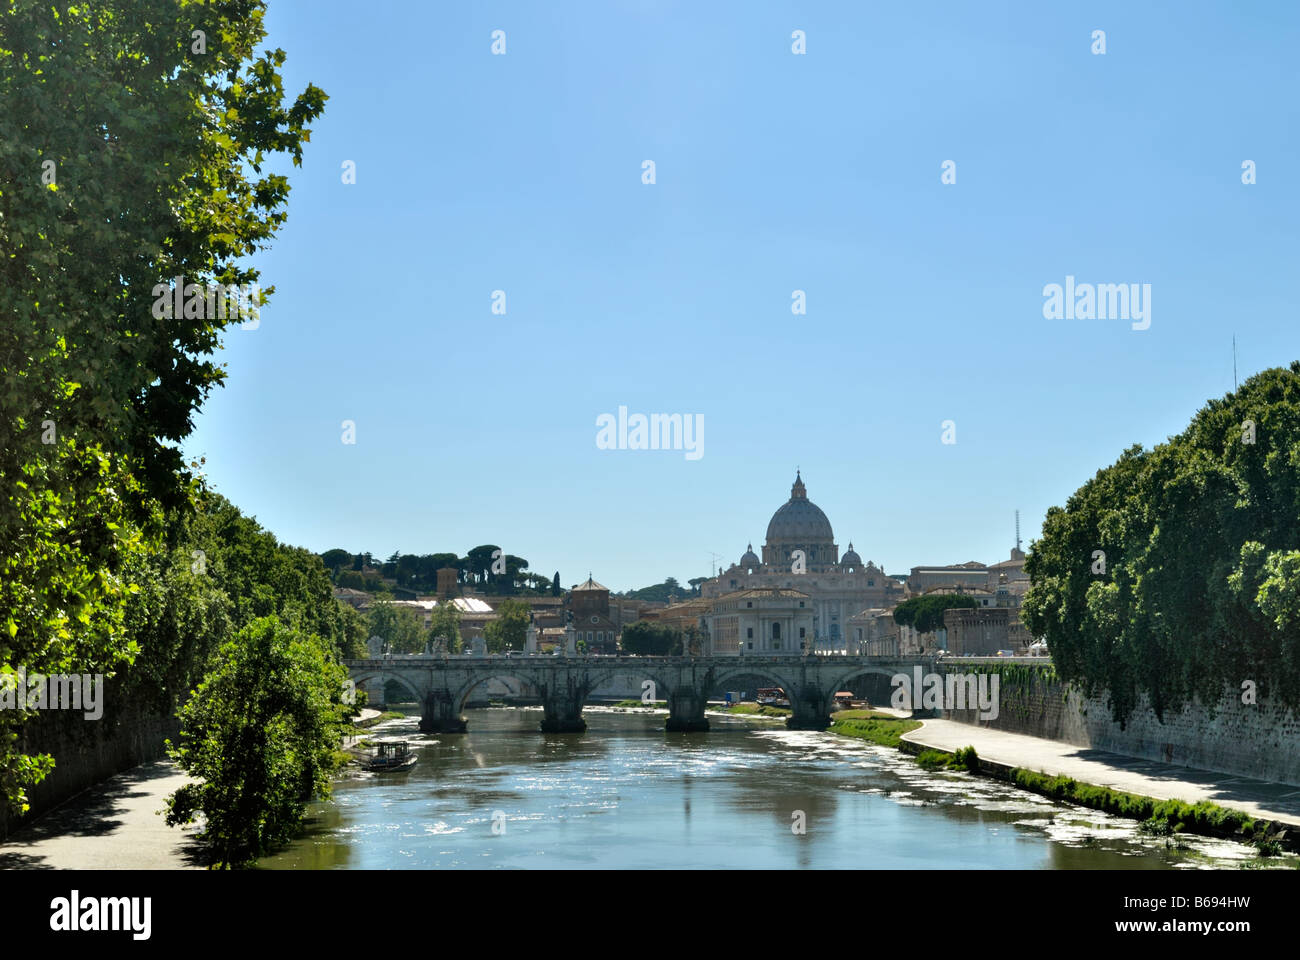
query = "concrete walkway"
{"x": 1164, "y": 781}
{"x": 111, "y": 826}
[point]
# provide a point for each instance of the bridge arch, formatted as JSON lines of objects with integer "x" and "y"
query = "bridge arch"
{"x": 843, "y": 679}
{"x": 662, "y": 689}
{"x": 461, "y": 695}
{"x": 754, "y": 667}
{"x": 537, "y": 678}
{"x": 384, "y": 677}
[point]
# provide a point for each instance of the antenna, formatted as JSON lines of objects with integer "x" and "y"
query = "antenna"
{"x": 1234, "y": 363}
{"x": 1017, "y": 529}
{"x": 713, "y": 561}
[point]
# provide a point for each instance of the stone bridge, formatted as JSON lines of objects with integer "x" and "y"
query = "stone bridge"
{"x": 444, "y": 684}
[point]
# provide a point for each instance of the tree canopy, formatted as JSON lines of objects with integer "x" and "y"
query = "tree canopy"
{"x": 259, "y": 733}
{"x": 508, "y": 631}
{"x": 663, "y": 592}
{"x": 1175, "y": 571}
{"x": 401, "y": 629}
{"x": 925, "y": 613}
{"x": 408, "y": 574}
{"x": 649, "y": 639}
{"x": 132, "y": 151}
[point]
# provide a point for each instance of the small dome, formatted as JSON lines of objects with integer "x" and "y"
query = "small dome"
{"x": 750, "y": 559}
{"x": 850, "y": 558}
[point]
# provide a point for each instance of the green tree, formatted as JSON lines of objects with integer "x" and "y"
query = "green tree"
{"x": 555, "y": 584}
{"x": 691, "y": 642}
{"x": 516, "y": 568}
{"x": 660, "y": 592}
{"x": 1173, "y": 572}
{"x": 925, "y": 613}
{"x": 509, "y": 630}
{"x": 158, "y": 172}
{"x": 260, "y": 735}
{"x": 438, "y": 561}
{"x": 444, "y": 629}
{"x": 478, "y": 565}
{"x": 399, "y": 627}
{"x": 350, "y": 579}
{"x": 335, "y": 560}
{"x": 647, "y": 638}
{"x": 354, "y": 633}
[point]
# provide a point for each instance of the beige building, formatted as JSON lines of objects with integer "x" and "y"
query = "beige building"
{"x": 977, "y": 631}
{"x": 971, "y": 575}
{"x": 874, "y": 633}
{"x": 353, "y": 598}
{"x": 1010, "y": 571}
{"x": 475, "y": 613}
{"x": 681, "y": 616}
{"x": 800, "y": 554}
{"x": 771, "y": 621}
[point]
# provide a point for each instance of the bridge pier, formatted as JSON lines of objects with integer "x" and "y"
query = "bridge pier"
{"x": 440, "y": 715}
{"x": 686, "y": 711}
{"x": 562, "y": 706}
{"x": 562, "y": 715}
{"x": 811, "y": 710}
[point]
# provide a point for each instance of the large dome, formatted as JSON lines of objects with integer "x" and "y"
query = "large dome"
{"x": 799, "y": 519}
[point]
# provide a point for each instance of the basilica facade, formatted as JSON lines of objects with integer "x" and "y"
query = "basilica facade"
{"x": 800, "y": 554}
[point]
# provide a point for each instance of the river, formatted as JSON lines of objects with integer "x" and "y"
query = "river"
{"x": 626, "y": 794}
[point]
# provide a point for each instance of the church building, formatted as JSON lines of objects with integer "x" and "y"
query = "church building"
{"x": 836, "y": 587}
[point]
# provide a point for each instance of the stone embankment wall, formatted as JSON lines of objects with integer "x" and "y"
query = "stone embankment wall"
{"x": 1260, "y": 740}
{"x": 85, "y": 753}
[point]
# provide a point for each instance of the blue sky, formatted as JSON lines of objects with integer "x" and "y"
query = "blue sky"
{"x": 774, "y": 173}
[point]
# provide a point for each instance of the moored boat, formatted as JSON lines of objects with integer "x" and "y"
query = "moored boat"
{"x": 391, "y": 757}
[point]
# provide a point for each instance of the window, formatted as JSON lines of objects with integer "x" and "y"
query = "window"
{"x": 871, "y": 583}
{"x": 589, "y": 637}
{"x": 749, "y": 634}
{"x": 801, "y": 632}
{"x": 751, "y": 644}
{"x": 801, "y": 603}
{"x": 776, "y": 631}
{"x": 600, "y": 636}
{"x": 749, "y": 603}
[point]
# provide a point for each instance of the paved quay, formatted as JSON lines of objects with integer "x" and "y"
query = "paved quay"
{"x": 111, "y": 826}
{"x": 1164, "y": 781}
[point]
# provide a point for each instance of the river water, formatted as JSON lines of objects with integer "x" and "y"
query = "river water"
{"x": 626, "y": 794}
